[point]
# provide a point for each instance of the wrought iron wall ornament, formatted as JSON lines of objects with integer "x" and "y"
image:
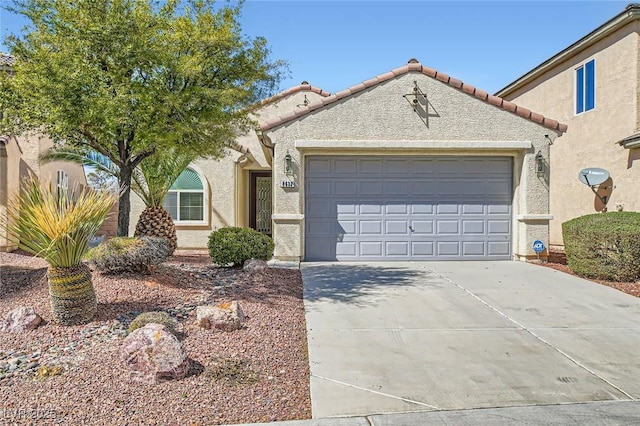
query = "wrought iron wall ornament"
{"x": 419, "y": 102}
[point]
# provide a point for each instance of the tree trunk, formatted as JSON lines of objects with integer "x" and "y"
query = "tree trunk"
{"x": 124, "y": 208}
{"x": 71, "y": 293}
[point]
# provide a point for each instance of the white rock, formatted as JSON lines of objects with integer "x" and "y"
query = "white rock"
{"x": 20, "y": 319}
{"x": 226, "y": 316}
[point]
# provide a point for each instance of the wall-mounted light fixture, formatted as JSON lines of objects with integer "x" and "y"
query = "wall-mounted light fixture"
{"x": 288, "y": 169}
{"x": 539, "y": 164}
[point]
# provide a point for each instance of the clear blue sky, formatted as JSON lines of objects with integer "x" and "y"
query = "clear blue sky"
{"x": 336, "y": 44}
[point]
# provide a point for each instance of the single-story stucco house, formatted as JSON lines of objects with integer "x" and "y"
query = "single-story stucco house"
{"x": 411, "y": 164}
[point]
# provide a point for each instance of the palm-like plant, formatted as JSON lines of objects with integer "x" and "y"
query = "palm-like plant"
{"x": 57, "y": 226}
{"x": 151, "y": 181}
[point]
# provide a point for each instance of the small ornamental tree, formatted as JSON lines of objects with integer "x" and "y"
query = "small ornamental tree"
{"x": 131, "y": 78}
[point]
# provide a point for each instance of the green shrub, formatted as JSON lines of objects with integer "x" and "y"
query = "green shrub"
{"x": 604, "y": 246}
{"x": 235, "y": 245}
{"x": 129, "y": 254}
{"x": 155, "y": 317}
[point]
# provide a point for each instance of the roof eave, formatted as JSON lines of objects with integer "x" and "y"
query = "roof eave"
{"x": 625, "y": 17}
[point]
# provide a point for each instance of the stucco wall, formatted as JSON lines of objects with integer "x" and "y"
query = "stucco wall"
{"x": 227, "y": 180}
{"x": 9, "y": 186}
{"x": 591, "y": 136}
{"x": 32, "y": 146}
{"x": 381, "y": 114}
{"x": 20, "y": 161}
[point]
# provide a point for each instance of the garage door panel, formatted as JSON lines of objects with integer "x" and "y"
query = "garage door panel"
{"x": 499, "y": 248}
{"x": 318, "y": 165}
{"x": 349, "y": 188}
{"x": 422, "y": 248}
{"x": 396, "y": 209}
{"x": 448, "y": 209}
{"x": 343, "y": 208}
{"x": 397, "y": 248}
{"x": 370, "y": 227}
{"x": 371, "y": 248}
{"x": 315, "y": 188}
{"x": 370, "y": 166}
{"x": 473, "y": 248}
{"x": 473, "y": 227}
{"x": 370, "y": 209}
{"x": 422, "y": 227}
{"x": 421, "y": 209}
{"x": 473, "y": 209}
{"x": 345, "y": 166}
{"x": 422, "y": 187}
{"x": 499, "y": 227}
{"x": 499, "y": 209}
{"x": 371, "y": 188}
{"x": 320, "y": 207}
{"x": 448, "y": 248}
{"x": 396, "y": 188}
{"x": 346, "y": 248}
{"x": 348, "y": 227}
{"x": 384, "y": 207}
{"x": 396, "y": 227}
{"x": 321, "y": 228}
{"x": 447, "y": 227}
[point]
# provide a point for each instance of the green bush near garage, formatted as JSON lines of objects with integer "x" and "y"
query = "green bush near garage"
{"x": 604, "y": 246}
{"x": 233, "y": 245}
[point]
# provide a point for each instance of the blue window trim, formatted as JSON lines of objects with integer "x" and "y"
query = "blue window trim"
{"x": 586, "y": 87}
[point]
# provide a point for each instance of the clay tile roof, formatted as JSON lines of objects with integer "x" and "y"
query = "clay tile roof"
{"x": 295, "y": 89}
{"x": 415, "y": 66}
{"x": 7, "y": 60}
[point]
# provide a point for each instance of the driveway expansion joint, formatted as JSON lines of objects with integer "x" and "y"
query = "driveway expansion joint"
{"x": 530, "y": 331}
{"x": 433, "y": 407}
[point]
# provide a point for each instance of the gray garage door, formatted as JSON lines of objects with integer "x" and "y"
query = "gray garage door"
{"x": 402, "y": 208}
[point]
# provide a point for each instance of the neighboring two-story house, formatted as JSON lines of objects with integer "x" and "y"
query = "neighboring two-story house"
{"x": 593, "y": 86}
{"x": 19, "y": 159}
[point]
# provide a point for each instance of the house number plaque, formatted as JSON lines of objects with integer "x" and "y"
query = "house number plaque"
{"x": 287, "y": 184}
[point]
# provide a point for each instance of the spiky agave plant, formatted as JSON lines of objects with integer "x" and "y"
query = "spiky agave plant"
{"x": 56, "y": 226}
{"x": 152, "y": 180}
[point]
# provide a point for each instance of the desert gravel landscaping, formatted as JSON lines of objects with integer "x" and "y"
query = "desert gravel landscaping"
{"x": 74, "y": 375}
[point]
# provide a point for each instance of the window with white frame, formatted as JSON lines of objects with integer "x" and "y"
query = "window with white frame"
{"x": 586, "y": 87}
{"x": 185, "y": 201}
{"x": 62, "y": 182}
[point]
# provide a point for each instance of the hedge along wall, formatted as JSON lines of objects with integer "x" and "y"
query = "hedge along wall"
{"x": 604, "y": 246}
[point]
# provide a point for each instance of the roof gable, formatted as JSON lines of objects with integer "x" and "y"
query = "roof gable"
{"x": 415, "y": 66}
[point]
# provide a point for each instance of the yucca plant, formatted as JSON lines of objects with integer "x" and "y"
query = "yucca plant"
{"x": 56, "y": 226}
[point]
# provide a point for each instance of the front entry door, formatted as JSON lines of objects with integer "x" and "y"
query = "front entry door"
{"x": 260, "y": 195}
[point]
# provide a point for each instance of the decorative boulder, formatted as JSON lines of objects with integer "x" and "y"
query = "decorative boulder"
{"x": 255, "y": 266}
{"x": 154, "y": 355}
{"x": 20, "y": 319}
{"x": 226, "y": 316}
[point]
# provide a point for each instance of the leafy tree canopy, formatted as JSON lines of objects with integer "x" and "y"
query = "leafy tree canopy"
{"x": 129, "y": 78}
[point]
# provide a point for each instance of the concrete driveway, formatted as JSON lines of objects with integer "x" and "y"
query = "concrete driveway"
{"x": 422, "y": 336}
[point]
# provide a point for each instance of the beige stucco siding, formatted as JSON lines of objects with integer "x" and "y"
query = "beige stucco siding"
{"x": 591, "y": 136}
{"x": 19, "y": 160}
{"x": 381, "y": 113}
{"x": 9, "y": 187}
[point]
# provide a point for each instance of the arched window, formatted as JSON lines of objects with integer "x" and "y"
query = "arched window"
{"x": 185, "y": 201}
